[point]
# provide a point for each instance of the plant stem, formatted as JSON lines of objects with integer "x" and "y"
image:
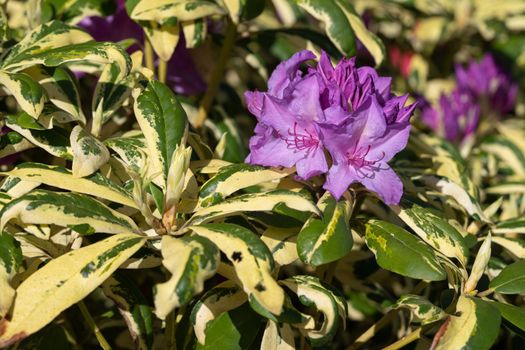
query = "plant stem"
{"x": 169, "y": 332}
{"x": 405, "y": 340}
{"x": 162, "y": 70}
{"x": 218, "y": 72}
{"x": 370, "y": 332}
{"x": 93, "y": 326}
{"x": 148, "y": 54}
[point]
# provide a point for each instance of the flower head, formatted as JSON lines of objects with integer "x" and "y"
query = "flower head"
{"x": 345, "y": 111}
{"x": 486, "y": 81}
{"x": 482, "y": 88}
{"x": 456, "y": 118}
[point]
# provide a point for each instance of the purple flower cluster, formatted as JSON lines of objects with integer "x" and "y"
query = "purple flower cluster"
{"x": 346, "y": 113}
{"x": 482, "y": 88}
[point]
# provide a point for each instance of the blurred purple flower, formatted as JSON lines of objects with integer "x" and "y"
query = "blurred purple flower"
{"x": 182, "y": 74}
{"x": 486, "y": 81}
{"x": 456, "y": 118}
{"x": 482, "y": 89}
{"x": 347, "y": 111}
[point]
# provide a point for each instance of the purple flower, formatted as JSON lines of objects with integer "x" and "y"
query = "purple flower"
{"x": 456, "y": 118}
{"x": 486, "y": 81}
{"x": 482, "y": 89}
{"x": 182, "y": 75}
{"x": 348, "y": 112}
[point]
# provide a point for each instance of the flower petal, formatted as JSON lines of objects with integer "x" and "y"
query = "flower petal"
{"x": 339, "y": 177}
{"x": 385, "y": 183}
{"x": 287, "y": 72}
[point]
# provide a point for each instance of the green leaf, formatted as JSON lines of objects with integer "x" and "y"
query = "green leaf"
{"x": 327, "y": 239}
{"x": 236, "y": 329}
{"x": 513, "y": 314}
{"x": 65, "y": 209}
{"x": 266, "y": 201}
{"x": 312, "y": 293}
{"x": 396, "y": 250}
{"x": 251, "y": 259}
{"x": 163, "y": 122}
{"x": 511, "y": 280}
{"x": 133, "y": 307}
{"x": 10, "y": 261}
{"x": 336, "y": 22}
{"x": 63, "y": 282}
{"x": 191, "y": 260}
{"x": 244, "y": 9}
{"x": 476, "y": 327}
{"x": 421, "y": 309}
{"x": 435, "y": 231}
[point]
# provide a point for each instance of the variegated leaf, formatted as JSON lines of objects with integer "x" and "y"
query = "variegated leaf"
{"x": 505, "y": 150}
{"x": 112, "y": 90}
{"x": 515, "y": 246}
{"x": 133, "y": 307}
{"x": 191, "y": 260}
{"x": 510, "y": 226}
{"x": 194, "y": 32}
{"x": 370, "y": 41}
{"x": 163, "y": 38}
{"x": 252, "y": 261}
{"x": 131, "y": 149}
{"x": 233, "y": 178}
{"x": 183, "y": 10}
{"x": 396, "y": 250}
{"x": 312, "y": 293}
{"x": 480, "y": 264}
{"x": 100, "y": 53}
{"x": 435, "y": 231}
{"x": 266, "y": 201}
{"x": 244, "y": 9}
{"x": 29, "y": 95}
{"x": 62, "y": 282}
{"x": 422, "y": 310}
{"x": 82, "y": 213}
{"x": 89, "y": 154}
{"x": 163, "y": 122}
{"x": 282, "y": 244}
{"x": 12, "y": 142}
{"x": 10, "y": 261}
{"x": 336, "y": 22}
{"x": 54, "y": 141}
{"x": 327, "y": 239}
{"x": 476, "y": 327}
{"x": 54, "y": 34}
{"x": 222, "y": 298}
{"x": 61, "y": 89}
{"x": 277, "y": 337}
{"x": 60, "y": 177}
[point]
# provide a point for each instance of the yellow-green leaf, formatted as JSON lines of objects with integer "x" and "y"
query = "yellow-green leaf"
{"x": 62, "y": 282}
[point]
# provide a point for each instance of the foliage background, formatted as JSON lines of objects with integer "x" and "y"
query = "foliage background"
{"x": 128, "y": 212}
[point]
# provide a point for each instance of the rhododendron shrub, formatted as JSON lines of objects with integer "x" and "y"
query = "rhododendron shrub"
{"x": 306, "y": 174}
